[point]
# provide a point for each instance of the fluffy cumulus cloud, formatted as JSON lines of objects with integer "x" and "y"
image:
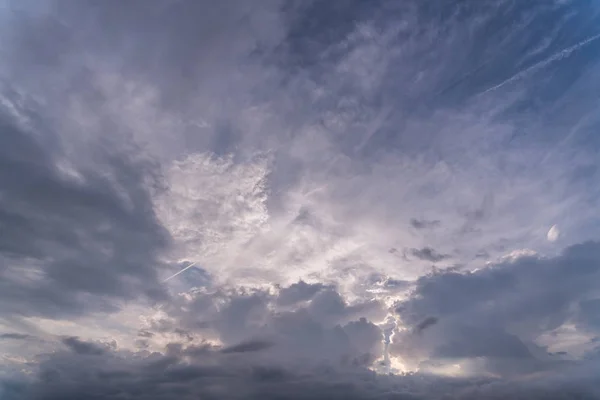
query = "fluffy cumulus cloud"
{"x": 299, "y": 199}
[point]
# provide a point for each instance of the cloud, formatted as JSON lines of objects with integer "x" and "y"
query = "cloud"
{"x": 326, "y": 327}
{"x": 262, "y": 345}
{"x": 78, "y": 237}
{"x": 478, "y": 342}
{"x": 424, "y": 223}
{"x": 426, "y": 323}
{"x": 428, "y": 254}
{"x": 304, "y": 350}
{"x": 207, "y": 117}
{"x": 287, "y": 149}
{"x": 250, "y": 346}
{"x": 16, "y": 336}
{"x": 203, "y": 372}
{"x": 300, "y": 291}
{"x": 501, "y": 311}
{"x": 81, "y": 347}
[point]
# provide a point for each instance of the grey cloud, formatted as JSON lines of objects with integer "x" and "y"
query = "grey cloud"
{"x": 240, "y": 316}
{"x": 74, "y": 243}
{"x": 426, "y": 323}
{"x": 249, "y": 346}
{"x": 243, "y": 371}
{"x": 300, "y": 343}
{"x": 365, "y": 336}
{"x": 82, "y": 347}
{"x": 16, "y": 336}
{"x": 158, "y": 47}
{"x": 163, "y": 36}
{"x": 428, "y": 254}
{"x": 396, "y": 284}
{"x": 146, "y": 334}
{"x": 324, "y": 328}
{"x": 186, "y": 373}
{"x": 473, "y": 341}
{"x": 589, "y": 313}
{"x": 424, "y": 223}
{"x": 498, "y": 311}
{"x": 298, "y": 292}
{"x": 329, "y": 306}
{"x": 158, "y": 377}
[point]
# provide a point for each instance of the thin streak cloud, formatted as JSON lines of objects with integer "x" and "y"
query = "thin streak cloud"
{"x": 541, "y": 64}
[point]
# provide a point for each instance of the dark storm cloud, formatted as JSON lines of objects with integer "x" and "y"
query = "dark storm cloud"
{"x": 497, "y": 311}
{"x": 207, "y": 376}
{"x": 73, "y": 243}
{"x": 428, "y": 254}
{"x": 204, "y": 373}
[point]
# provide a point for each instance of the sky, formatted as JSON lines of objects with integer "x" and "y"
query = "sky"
{"x": 299, "y": 199}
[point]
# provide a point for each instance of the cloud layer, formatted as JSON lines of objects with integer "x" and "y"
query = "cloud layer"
{"x": 299, "y": 199}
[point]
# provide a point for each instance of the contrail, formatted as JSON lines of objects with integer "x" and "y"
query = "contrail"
{"x": 558, "y": 56}
{"x": 179, "y": 272}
